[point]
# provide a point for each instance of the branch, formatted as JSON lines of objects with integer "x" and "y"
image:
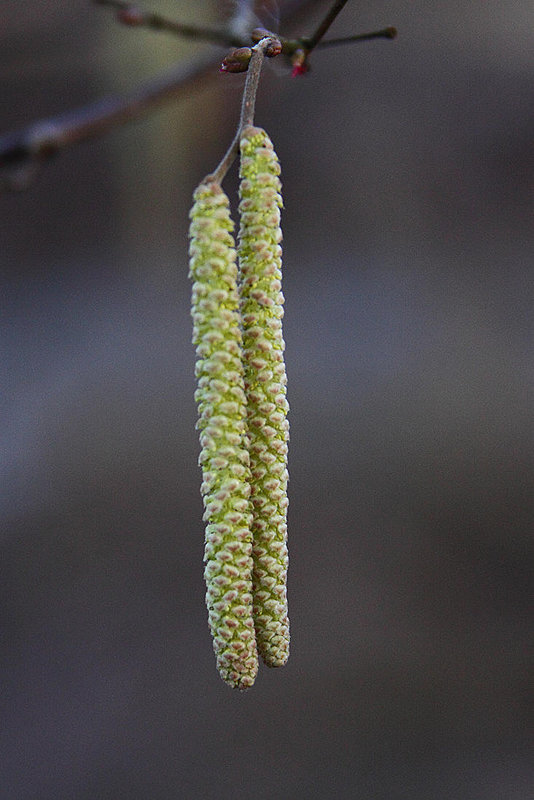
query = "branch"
{"x": 316, "y": 37}
{"x": 22, "y": 152}
{"x": 386, "y": 33}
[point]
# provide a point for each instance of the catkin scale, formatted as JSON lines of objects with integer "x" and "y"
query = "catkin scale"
{"x": 261, "y": 304}
{"x": 224, "y": 456}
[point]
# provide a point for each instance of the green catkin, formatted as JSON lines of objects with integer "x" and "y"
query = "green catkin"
{"x": 224, "y": 457}
{"x": 261, "y": 304}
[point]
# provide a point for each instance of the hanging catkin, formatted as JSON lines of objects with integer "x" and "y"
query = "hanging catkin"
{"x": 261, "y": 303}
{"x": 224, "y": 456}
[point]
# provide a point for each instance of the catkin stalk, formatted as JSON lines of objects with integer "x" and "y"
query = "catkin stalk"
{"x": 261, "y": 304}
{"x": 224, "y": 457}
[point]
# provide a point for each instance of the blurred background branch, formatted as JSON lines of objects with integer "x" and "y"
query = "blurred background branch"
{"x": 233, "y": 34}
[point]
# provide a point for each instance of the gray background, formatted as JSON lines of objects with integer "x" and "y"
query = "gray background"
{"x": 408, "y": 173}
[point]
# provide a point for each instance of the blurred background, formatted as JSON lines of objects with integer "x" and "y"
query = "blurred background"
{"x": 408, "y": 172}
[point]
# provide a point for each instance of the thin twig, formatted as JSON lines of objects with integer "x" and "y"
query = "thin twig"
{"x": 133, "y": 15}
{"x": 386, "y": 33}
{"x": 251, "y": 86}
{"x": 247, "y": 109}
{"x": 313, "y": 40}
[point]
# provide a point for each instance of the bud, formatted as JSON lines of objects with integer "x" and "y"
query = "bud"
{"x": 274, "y": 48}
{"x": 237, "y": 60}
{"x": 299, "y": 69}
{"x": 130, "y": 15}
{"x": 265, "y": 387}
{"x": 223, "y": 436}
{"x": 261, "y": 33}
{"x": 299, "y": 60}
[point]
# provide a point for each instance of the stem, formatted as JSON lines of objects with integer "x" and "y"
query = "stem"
{"x": 316, "y": 37}
{"x": 386, "y": 33}
{"x": 248, "y": 106}
{"x": 251, "y": 85}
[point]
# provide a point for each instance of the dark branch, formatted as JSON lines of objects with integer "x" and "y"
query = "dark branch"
{"x": 386, "y": 33}
{"x": 312, "y": 41}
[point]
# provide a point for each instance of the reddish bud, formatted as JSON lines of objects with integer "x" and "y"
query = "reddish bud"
{"x": 130, "y": 15}
{"x": 300, "y": 63}
{"x": 299, "y": 69}
{"x": 274, "y": 48}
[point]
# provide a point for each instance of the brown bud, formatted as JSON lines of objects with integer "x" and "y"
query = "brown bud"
{"x": 274, "y": 48}
{"x": 237, "y": 60}
{"x": 260, "y": 33}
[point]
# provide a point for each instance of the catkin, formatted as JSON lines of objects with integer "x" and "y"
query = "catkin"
{"x": 261, "y": 304}
{"x": 224, "y": 457}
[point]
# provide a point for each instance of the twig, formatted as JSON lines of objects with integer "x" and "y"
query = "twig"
{"x": 313, "y": 40}
{"x": 386, "y": 33}
{"x": 251, "y": 86}
{"x": 299, "y": 50}
{"x": 130, "y": 14}
{"x": 247, "y": 108}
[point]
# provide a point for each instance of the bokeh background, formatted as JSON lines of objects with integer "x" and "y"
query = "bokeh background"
{"x": 408, "y": 171}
